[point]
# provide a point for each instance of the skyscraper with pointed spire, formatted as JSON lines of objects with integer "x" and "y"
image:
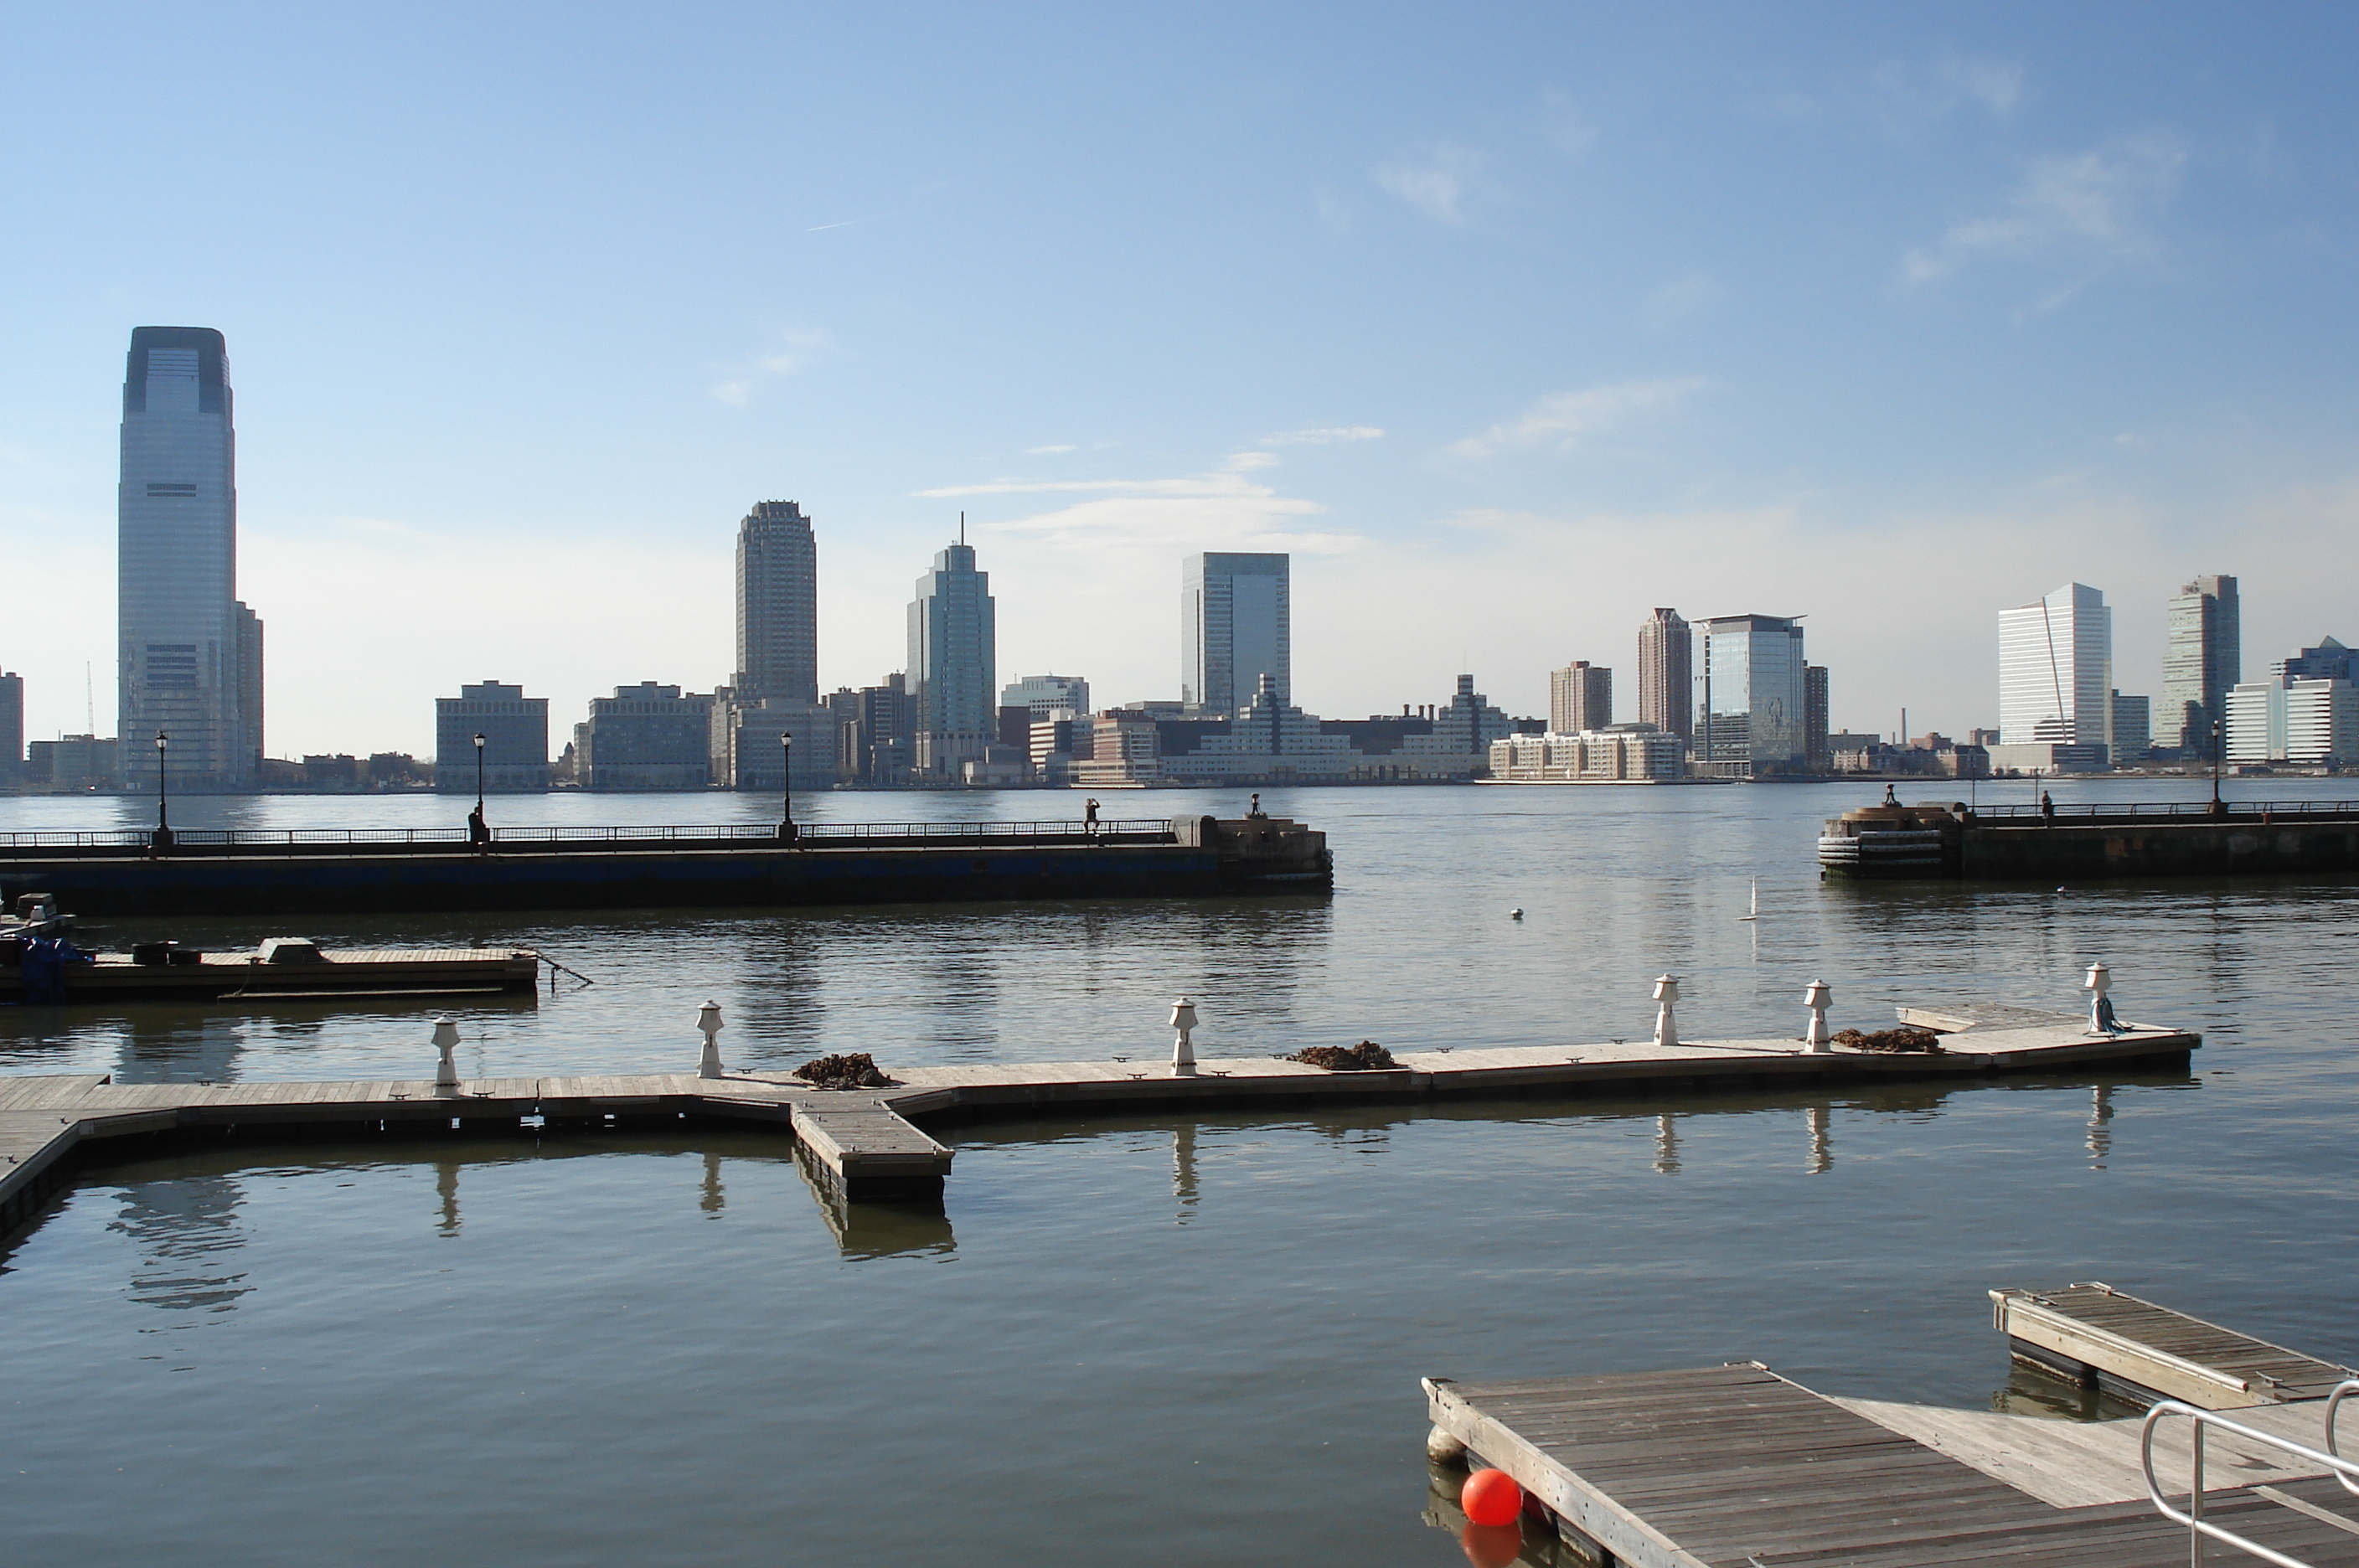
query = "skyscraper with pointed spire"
{"x": 953, "y": 662}
{"x": 188, "y": 655}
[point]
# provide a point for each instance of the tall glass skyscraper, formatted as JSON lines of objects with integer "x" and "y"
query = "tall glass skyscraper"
{"x": 1751, "y": 696}
{"x": 188, "y": 655}
{"x": 777, "y": 604}
{"x": 2056, "y": 670}
{"x": 954, "y": 663}
{"x": 1235, "y": 627}
{"x": 2202, "y": 663}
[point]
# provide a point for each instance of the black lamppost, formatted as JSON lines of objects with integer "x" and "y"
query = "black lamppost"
{"x": 479, "y": 829}
{"x": 162, "y": 837}
{"x": 786, "y": 787}
{"x": 2217, "y": 808}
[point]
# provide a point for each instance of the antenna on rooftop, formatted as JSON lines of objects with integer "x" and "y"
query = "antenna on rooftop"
{"x": 962, "y": 528}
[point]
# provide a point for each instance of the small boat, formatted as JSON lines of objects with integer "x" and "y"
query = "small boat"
{"x": 1752, "y": 910}
{"x": 282, "y": 969}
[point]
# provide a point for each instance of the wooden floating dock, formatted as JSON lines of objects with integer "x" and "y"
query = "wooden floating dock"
{"x": 2105, "y": 1338}
{"x": 868, "y": 1143}
{"x": 1734, "y": 1465}
{"x": 418, "y": 973}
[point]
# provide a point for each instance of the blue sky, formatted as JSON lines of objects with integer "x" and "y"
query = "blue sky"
{"x": 1510, "y": 322}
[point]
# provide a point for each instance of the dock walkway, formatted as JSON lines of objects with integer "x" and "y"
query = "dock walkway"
{"x": 869, "y": 1142}
{"x": 1734, "y": 1465}
{"x": 2107, "y": 1338}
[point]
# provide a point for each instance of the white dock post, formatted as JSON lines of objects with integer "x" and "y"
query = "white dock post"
{"x": 1815, "y": 996}
{"x": 1667, "y": 1028}
{"x": 708, "y": 1019}
{"x": 2100, "y": 1011}
{"x": 1183, "y": 1051}
{"x": 446, "y": 1039}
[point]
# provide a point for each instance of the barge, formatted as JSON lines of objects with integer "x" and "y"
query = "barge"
{"x": 725, "y": 866}
{"x": 282, "y": 969}
{"x": 2081, "y": 842}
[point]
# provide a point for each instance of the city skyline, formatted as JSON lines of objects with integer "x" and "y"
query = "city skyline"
{"x": 1660, "y": 312}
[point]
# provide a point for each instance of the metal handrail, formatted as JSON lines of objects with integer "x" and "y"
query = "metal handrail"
{"x": 2191, "y": 1515}
{"x": 2342, "y": 1391}
{"x": 2176, "y": 809}
{"x": 131, "y": 838}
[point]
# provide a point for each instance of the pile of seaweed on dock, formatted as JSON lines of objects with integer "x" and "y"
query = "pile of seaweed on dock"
{"x": 1901, "y": 1040}
{"x": 856, "y": 1071}
{"x": 1366, "y": 1057}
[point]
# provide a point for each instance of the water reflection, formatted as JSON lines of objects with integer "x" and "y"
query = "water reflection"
{"x": 711, "y": 1200}
{"x": 187, "y": 1233}
{"x": 917, "y": 1228}
{"x": 2101, "y": 1130}
{"x": 1667, "y": 1146}
{"x": 1183, "y": 1170}
{"x": 1822, "y": 1149}
{"x": 445, "y": 1188}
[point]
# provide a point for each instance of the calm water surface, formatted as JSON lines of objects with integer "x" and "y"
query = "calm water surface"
{"x": 1150, "y": 1340}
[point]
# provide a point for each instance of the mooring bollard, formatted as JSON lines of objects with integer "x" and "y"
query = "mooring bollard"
{"x": 1815, "y": 996}
{"x": 1667, "y": 1028}
{"x": 708, "y": 1019}
{"x": 2101, "y": 1009}
{"x": 446, "y": 1041}
{"x": 1183, "y": 1051}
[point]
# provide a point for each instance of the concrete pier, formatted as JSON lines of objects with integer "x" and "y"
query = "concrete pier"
{"x": 1948, "y": 839}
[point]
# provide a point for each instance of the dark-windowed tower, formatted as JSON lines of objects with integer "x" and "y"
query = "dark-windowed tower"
{"x": 777, "y": 604}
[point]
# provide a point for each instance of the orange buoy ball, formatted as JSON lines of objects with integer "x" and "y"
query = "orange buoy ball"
{"x": 1491, "y": 1496}
{"x": 1491, "y": 1545}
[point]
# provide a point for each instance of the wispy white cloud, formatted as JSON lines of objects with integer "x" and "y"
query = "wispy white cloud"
{"x": 1324, "y": 435}
{"x": 2094, "y": 206}
{"x": 795, "y": 351}
{"x": 1563, "y": 421}
{"x": 1439, "y": 184}
{"x": 1996, "y": 84}
{"x": 1056, "y": 451}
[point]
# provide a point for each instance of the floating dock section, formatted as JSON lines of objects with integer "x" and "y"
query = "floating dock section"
{"x": 2105, "y": 1338}
{"x": 1952, "y": 839}
{"x": 1735, "y": 1465}
{"x": 735, "y": 867}
{"x": 870, "y": 1142}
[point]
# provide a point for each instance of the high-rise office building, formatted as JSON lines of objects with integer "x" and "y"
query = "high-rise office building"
{"x": 515, "y": 728}
{"x": 1235, "y": 627}
{"x": 646, "y": 737}
{"x": 2133, "y": 727}
{"x": 2329, "y": 660}
{"x": 1581, "y": 697}
{"x": 1665, "y": 659}
{"x": 2202, "y": 662}
{"x": 2056, "y": 668}
{"x": 1751, "y": 695}
{"x": 777, "y": 604}
{"x": 1816, "y": 749}
{"x": 11, "y": 728}
{"x": 188, "y": 655}
{"x": 953, "y": 662}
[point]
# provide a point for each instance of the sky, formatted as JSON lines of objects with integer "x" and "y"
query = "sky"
{"x": 1509, "y": 322}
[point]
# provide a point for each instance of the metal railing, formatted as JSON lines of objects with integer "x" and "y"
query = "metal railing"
{"x": 718, "y": 832}
{"x": 2199, "y": 1528}
{"x": 2248, "y": 809}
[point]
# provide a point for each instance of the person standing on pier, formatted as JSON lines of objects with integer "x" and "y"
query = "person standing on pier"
{"x": 2047, "y": 810}
{"x": 1089, "y": 815}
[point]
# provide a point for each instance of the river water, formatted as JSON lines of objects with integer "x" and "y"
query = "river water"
{"x": 1147, "y": 1339}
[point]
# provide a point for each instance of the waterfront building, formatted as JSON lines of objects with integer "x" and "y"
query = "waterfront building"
{"x": 1816, "y": 754}
{"x": 777, "y": 604}
{"x": 1237, "y": 625}
{"x": 1623, "y": 752}
{"x": 2203, "y": 659}
{"x": 745, "y": 735}
{"x": 2310, "y": 721}
{"x": 1041, "y": 695}
{"x": 1270, "y": 741}
{"x": 1750, "y": 692}
{"x": 2133, "y": 735}
{"x": 2056, "y": 664}
{"x": 1665, "y": 665}
{"x": 1059, "y": 742}
{"x": 2329, "y": 660}
{"x": 953, "y": 652}
{"x": 188, "y": 655}
{"x": 875, "y": 731}
{"x": 1580, "y": 698}
{"x": 74, "y": 763}
{"x": 515, "y": 728}
{"x": 11, "y": 728}
{"x": 646, "y": 737}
